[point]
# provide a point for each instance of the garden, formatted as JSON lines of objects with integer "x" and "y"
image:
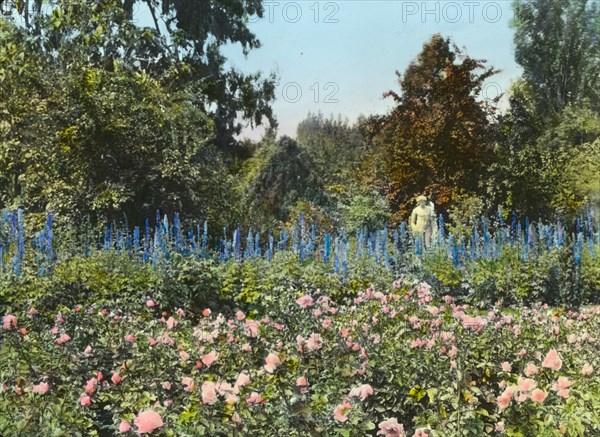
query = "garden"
{"x": 310, "y": 335}
{"x": 190, "y": 247}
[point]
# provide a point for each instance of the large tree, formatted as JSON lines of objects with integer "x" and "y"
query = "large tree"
{"x": 333, "y": 144}
{"x": 557, "y": 42}
{"x": 280, "y": 175}
{"x": 102, "y": 114}
{"x": 434, "y": 140}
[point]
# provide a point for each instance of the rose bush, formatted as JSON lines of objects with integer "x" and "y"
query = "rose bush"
{"x": 393, "y": 362}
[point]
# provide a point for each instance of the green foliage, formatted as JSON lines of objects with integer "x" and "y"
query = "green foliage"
{"x": 194, "y": 283}
{"x": 464, "y": 214}
{"x": 83, "y": 280}
{"x": 430, "y": 364}
{"x": 333, "y": 145}
{"x": 545, "y": 167}
{"x": 101, "y": 117}
{"x": 276, "y": 178}
{"x": 556, "y": 43}
{"x": 364, "y": 209}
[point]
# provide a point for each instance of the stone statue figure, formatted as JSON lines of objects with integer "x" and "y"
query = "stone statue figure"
{"x": 423, "y": 221}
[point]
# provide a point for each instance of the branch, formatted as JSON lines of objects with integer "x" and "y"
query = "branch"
{"x": 148, "y": 2}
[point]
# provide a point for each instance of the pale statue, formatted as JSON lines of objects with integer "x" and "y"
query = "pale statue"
{"x": 423, "y": 221}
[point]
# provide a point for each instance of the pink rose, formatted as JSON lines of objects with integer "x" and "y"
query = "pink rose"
{"x": 85, "y": 400}
{"x": 362, "y": 392}
{"x": 587, "y": 369}
{"x": 62, "y": 339}
{"x": 189, "y": 383}
{"x": 41, "y": 388}
{"x": 209, "y": 358}
{"x": 305, "y": 301}
{"x": 552, "y": 360}
{"x": 272, "y": 361}
{"x": 254, "y": 399}
{"x": 391, "y": 428}
{"x": 531, "y": 370}
{"x": 242, "y": 380}
{"x": 209, "y": 392}
{"x": 148, "y": 421}
{"x": 9, "y": 321}
{"x": 124, "y": 427}
{"x": 538, "y": 395}
{"x": 341, "y": 411}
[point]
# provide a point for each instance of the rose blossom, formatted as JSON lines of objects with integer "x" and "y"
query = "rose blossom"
{"x": 391, "y": 428}
{"x": 305, "y": 301}
{"x": 116, "y": 378}
{"x": 40, "y": 388}
{"x": 587, "y": 369}
{"x": 148, "y": 421}
{"x": 124, "y": 427}
{"x": 272, "y": 361}
{"x": 552, "y": 360}
{"x": 9, "y": 321}
{"x": 341, "y": 411}
{"x": 538, "y": 395}
{"x": 362, "y": 391}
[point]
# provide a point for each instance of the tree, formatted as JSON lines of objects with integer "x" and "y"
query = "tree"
{"x": 541, "y": 169}
{"x": 557, "y": 42}
{"x": 334, "y": 146}
{"x": 277, "y": 177}
{"x": 436, "y": 137}
{"x": 100, "y": 116}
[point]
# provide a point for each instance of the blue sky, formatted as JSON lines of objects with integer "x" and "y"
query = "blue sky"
{"x": 349, "y": 50}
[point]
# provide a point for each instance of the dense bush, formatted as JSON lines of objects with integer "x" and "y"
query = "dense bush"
{"x": 305, "y": 366}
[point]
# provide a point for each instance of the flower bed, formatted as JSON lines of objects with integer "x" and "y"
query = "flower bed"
{"x": 389, "y": 363}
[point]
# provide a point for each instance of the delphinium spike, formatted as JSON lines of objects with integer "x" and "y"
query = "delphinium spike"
{"x": 590, "y": 222}
{"x": 577, "y": 248}
{"x": 560, "y": 233}
{"x": 486, "y": 238}
{"x": 346, "y": 252}
{"x": 403, "y": 233}
{"x": 49, "y": 249}
{"x": 418, "y": 245}
{"x": 136, "y": 240}
{"x": 513, "y": 229}
{"x": 472, "y": 242}
{"x": 257, "y": 249}
{"x": 376, "y": 247}
{"x": 147, "y": 247}
{"x": 336, "y": 259}
{"x": 204, "y": 239}
{"x": 271, "y": 246}
{"x": 359, "y": 243}
{"x": 249, "y": 253}
{"x": 326, "y": 249}
{"x": 20, "y": 249}
{"x": 176, "y": 233}
{"x": 463, "y": 250}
